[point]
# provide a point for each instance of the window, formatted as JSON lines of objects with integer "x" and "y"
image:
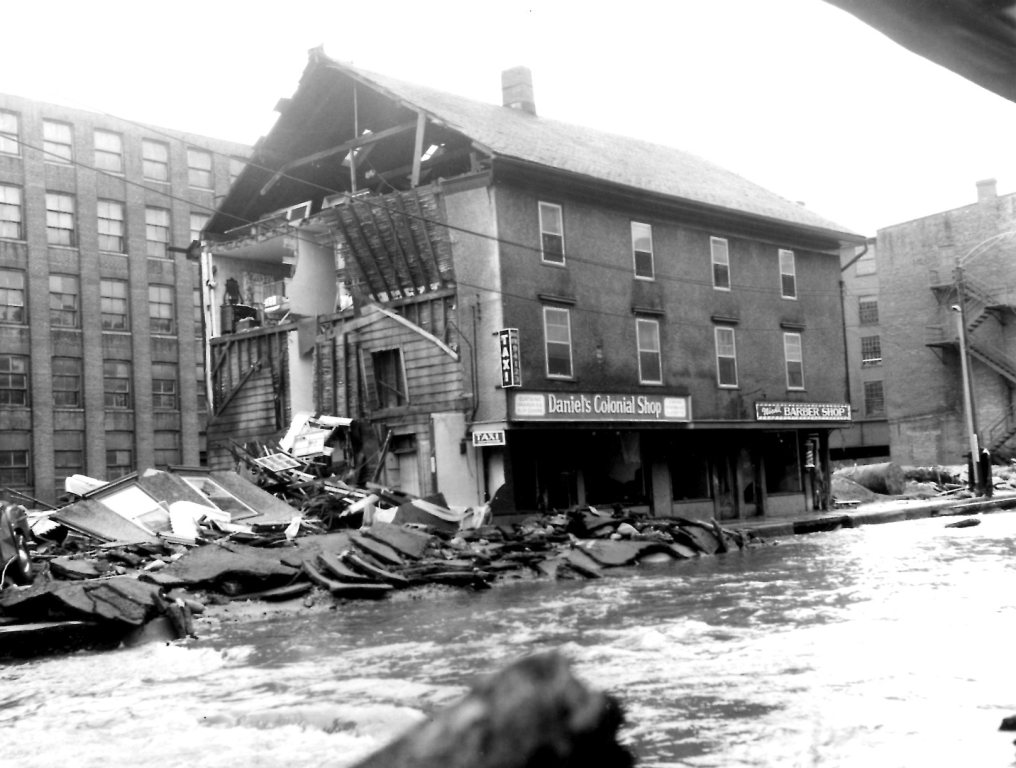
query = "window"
{"x": 13, "y": 380}
{"x": 10, "y": 143}
{"x": 10, "y": 212}
{"x": 160, "y": 309}
{"x": 117, "y": 384}
{"x": 557, "y": 333}
{"x": 794, "y": 356}
{"x": 867, "y": 310}
{"x": 874, "y": 398}
{"x": 871, "y": 350}
{"x": 67, "y": 378}
{"x": 164, "y": 378}
{"x": 68, "y": 456}
{"x": 167, "y": 447}
{"x": 14, "y": 459}
{"x": 113, "y": 304}
{"x": 157, "y": 233}
{"x": 154, "y": 160}
{"x": 119, "y": 454}
{"x": 648, "y": 339}
{"x": 199, "y": 168}
{"x": 788, "y": 275}
{"x": 12, "y": 296}
{"x": 63, "y": 301}
{"x": 551, "y": 234}
{"x": 59, "y": 219}
{"x": 726, "y": 357}
{"x": 389, "y": 378}
{"x": 111, "y": 226}
{"x": 57, "y": 142}
{"x": 108, "y": 151}
{"x": 197, "y": 223}
{"x": 720, "y": 255}
{"x": 866, "y": 264}
{"x": 642, "y": 249}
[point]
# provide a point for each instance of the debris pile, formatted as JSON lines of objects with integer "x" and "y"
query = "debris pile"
{"x": 862, "y": 483}
{"x": 160, "y": 545}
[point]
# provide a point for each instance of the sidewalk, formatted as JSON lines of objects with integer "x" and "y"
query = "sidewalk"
{"x": 890, "y": 511}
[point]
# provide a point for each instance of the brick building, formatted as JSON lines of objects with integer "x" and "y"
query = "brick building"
{"x": 868, "y": 434}
{"x": 101, "y": 364}
{"x": 524, "y": 309}
{"x": 959, "y": 258}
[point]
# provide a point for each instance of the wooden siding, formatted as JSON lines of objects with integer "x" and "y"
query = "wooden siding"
{"x": 250, "y": 383}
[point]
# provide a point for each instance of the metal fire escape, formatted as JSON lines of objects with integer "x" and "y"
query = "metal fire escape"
{"x": 979, "y": 302}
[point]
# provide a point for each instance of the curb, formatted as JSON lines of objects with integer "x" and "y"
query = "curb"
{"x": 856, "y": 518}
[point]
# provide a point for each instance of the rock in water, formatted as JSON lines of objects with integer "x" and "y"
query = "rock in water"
{"x": 533, "y": 713}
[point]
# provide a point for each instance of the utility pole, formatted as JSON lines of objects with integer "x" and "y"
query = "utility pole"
{"x": 961, "y": 329}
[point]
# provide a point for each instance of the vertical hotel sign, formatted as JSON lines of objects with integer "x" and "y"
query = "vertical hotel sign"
{"x": 511, "y": 367}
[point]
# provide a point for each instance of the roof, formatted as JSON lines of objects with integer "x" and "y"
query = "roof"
{"x": 514, "y": 136}
{"x": 630, "y": 162}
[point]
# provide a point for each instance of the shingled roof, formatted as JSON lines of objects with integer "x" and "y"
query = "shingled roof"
{"x": 511, "y": 135}
{"x": 630, "y": 162}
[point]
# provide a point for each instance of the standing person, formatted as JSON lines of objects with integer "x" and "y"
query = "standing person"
{"x": 988, "y": 486}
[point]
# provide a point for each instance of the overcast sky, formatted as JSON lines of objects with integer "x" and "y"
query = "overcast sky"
{"x": 795, "y": 95}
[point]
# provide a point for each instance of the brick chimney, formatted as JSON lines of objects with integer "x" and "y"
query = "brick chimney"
{"x": 517, "y": 89}
{"x": 986, "y": 190}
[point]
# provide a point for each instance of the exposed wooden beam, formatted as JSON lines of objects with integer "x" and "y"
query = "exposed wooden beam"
{"x": 356, "y": 253}
{"x": 404, "y": 218}
{"x": 359, "y": 141}
{"x": 370, "y": 249}
{"x": 421, "y": 126}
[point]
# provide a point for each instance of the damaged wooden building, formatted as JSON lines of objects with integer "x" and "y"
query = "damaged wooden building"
{"x": 522, "y": 310}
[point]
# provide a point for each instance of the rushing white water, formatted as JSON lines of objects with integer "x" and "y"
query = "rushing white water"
{"x": 881, "y": 646}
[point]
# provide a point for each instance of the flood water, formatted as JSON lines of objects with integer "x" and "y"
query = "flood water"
{"x": 887, "y": 645}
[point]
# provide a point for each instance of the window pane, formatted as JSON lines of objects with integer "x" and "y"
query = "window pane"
{"x": 155, "y": 160}
{"x": 108, "y": 151}
{"x": 59, "y": 219}
{"x": 642, "y": 248}
{"x": 867, "y": 310}
{"x": 13, "y": 380}
{"x": 113, "y": 304}
{"x": 871, "y": 350}
{"x": 157, "y": 232}
{"x": 63, "y": 301}
{"x": 788, "y": 275}
{"x": 199, "y": 168}
{"x": 726, "y": 357}
{"x": 720, "y": 255}
{"x": 67, "y": 382}
{"x": 117, "y": 385}
{"x": 9, "y": 133}
{"x": 10, "y": 212}
{"x": 111, "y": 226}
{"x": 56, "y": 142}
{"x": 648, "y": 333}
{"x": 12, "y": 296}
{"x": 874, "y": 398}
{"x": 551, "y": 233}
{"x": 557, "y": 331}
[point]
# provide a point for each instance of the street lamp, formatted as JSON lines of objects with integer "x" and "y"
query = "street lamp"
{"x": 968, "y": 407}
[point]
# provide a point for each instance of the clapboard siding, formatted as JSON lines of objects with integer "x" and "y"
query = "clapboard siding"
{"x": 249, "y": 379}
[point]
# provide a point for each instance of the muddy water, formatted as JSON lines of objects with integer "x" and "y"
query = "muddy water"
{"x": 887, "y": 645}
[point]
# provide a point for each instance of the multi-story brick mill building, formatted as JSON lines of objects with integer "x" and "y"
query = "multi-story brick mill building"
{"x": 101, "y": 364}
